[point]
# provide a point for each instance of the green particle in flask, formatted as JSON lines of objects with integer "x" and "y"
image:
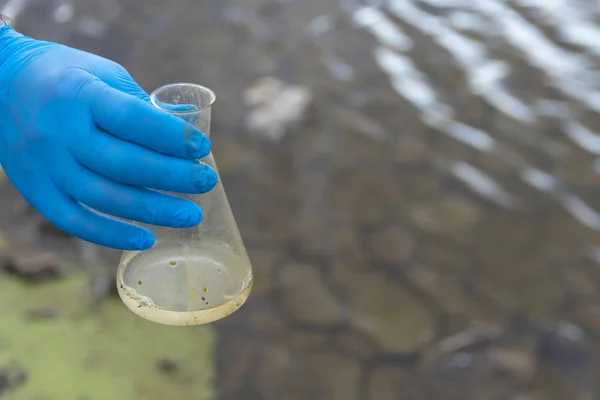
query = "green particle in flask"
{"x": 139, "y": 282}
{"x": 173, "y": 263}
{"x": 205, "y": 290}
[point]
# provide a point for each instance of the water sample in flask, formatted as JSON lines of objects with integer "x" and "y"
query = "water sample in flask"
{"x": 196, "y": 275}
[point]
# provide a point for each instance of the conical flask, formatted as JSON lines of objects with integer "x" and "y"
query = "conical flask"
{"x": 190, "y": 276}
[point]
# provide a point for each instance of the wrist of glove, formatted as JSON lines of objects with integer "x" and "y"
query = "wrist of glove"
{"x": 81, "y": 142}
{"x": 16, "y": 51}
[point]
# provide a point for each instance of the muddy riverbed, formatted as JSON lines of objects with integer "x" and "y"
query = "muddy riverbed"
{"x": 423, "y": 224}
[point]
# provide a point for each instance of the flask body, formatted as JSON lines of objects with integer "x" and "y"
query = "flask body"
{"x": 196, "y": 275}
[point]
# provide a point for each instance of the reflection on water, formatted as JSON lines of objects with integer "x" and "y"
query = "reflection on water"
{"x": 431, "y": 228}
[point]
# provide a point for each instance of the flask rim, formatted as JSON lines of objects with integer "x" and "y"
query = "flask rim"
{"x": 206, "y": 91}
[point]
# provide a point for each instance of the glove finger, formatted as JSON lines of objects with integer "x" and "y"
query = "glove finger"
{"x": 137, "y": 121}
{"x": 117, "y": 77}
{"x": 183, "y": 111}
{"x": 125, "y": 83}
{"x": 78, "y": 220}
{"x": 176, "y": 107}
{"x": 124, "y": 201}
{"x": 134, "y": 165}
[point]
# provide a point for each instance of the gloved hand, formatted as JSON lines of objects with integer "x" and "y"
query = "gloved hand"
{"x": 78, "y": 134}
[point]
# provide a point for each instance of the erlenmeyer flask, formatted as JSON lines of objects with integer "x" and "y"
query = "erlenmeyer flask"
{"x": 190, "y": 276}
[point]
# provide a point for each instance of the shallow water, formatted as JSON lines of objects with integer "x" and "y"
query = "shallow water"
{"x": 431, "y": 228}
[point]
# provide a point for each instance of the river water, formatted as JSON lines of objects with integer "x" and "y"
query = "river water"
{"x": 430, "y": 228}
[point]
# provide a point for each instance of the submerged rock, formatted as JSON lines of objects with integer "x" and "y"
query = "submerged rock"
{"x": 276, "y": 106}
{"x": 28, "y": 261}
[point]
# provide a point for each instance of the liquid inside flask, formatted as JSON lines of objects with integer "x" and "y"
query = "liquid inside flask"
{"x": 190, "y": 276}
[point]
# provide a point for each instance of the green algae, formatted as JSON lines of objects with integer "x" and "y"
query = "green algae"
{"x": 68, "y": 350}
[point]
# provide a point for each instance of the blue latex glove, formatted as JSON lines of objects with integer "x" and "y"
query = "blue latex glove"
{"x": 78, "y": 134}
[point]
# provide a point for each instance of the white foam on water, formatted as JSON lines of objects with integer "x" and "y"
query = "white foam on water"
{"x": 590, "y": 98}
{"x": 481, "y": 183}
{"x": 483, "y": 74}
{"x": 545, "y": 182}
{"x": 64, "y": 13}
{"x": 409, "y": 82}
{"x": 13, "y": 8}
{"x": 553, "y": 108}
{"x": 581, "y": 211}
{"x": 320, "y": 25}
{"x": 570, "y": 73}
{"x": 450, "y": 3}
{"x": 339, "y": 69}
{"x": 485, "y": 81}
{"x": 584, "y": 137}
{"x": 539, "y": 179}
{"x": 413, "y": 85}
{"x": 468, "y": 21}
{"x": 469, "y": 135}
{"x": 573, "y": 25}
{"x": 376, "y": 22}
{"x": 573, "y": 74}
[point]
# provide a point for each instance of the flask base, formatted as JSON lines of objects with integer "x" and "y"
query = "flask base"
{"x": 185, "y": 318}
{"x": 182, "y": 284}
